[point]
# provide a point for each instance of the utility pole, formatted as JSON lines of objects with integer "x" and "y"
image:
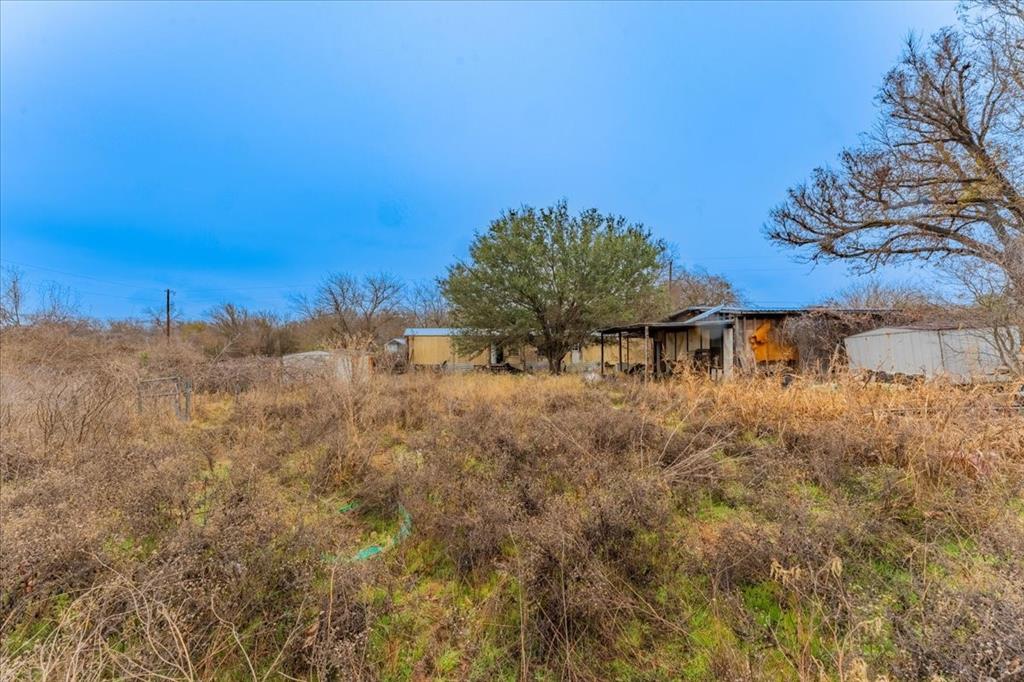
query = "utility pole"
{"x": 167, "y": 326}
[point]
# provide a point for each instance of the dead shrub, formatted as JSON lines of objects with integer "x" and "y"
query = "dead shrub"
{"x": 235, "y": 375}
{"x": 738, "y": 553}
{"x": 335, "y": 645}
{"x": 968, "y": 634}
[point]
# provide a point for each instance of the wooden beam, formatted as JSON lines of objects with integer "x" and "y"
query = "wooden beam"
{"x": 647, "y": 364}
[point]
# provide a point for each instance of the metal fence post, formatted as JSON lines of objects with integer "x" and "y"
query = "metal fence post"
{"x": 188, "y": 399}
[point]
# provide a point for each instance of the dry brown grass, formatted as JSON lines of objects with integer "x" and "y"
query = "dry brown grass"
{"x": 560, "y": 530}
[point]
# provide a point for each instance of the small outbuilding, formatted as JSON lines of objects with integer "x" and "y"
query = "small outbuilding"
{"x": 962, "y": 355}
{"x": 341, "y": 364}
{"x": 396, "y": 346}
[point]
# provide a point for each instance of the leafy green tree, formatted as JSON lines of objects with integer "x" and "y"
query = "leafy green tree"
{"x": 548, "y": 279}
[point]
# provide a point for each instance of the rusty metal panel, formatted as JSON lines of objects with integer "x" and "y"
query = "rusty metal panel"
{"x": 766, "y": 347}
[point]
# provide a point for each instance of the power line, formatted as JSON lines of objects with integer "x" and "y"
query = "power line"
{"x": 255, "y": 288}
{"x": 73, "y": 274}
{"x": 97, "y": 293}
{"x": 202, "y": 291}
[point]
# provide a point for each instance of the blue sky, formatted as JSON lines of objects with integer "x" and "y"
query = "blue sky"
{"x": 235, "y": 151}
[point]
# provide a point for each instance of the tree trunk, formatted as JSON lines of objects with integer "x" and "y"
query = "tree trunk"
{"x": 1015, "y": 275}
{"x": 555, "y": 363}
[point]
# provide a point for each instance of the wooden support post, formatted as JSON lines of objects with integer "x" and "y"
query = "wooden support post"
{"x": 602, "y": 354}
{"x": 657, "y": 353}
{"x": 619, "y": 367}
{"x": 727, "y": 353}
{"x": 647, "y": 364}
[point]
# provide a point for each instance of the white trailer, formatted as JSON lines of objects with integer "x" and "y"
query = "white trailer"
{"x": 958, "y": 354}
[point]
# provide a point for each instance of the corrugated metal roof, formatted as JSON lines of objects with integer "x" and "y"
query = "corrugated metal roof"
{"x": 704, "y": 310}
{"x": 934, "y": 326}
{"x": 882, "y": 330}
{"x": 698, "y": 315}
{"x": 735, "y": 310}
{"x": 431, "y": 331}
{"x": 707, "y": 313}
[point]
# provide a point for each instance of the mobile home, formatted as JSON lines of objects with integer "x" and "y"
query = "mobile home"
{"x": 433, "y": 347}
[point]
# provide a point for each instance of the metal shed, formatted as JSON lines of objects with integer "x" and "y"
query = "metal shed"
{"x": 962, "y": 355}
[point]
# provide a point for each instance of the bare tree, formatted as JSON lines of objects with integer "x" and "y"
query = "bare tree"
{"x": 338, "y": 298}
{"x": 57, "y": 305}
{"x": 942, "y": 176}
{"x": 381, "y": 301}
{"x": 867, "y": 304}
{"x": 12, "y": 298}
{"x": 697, "y": 286}
{"x": 156, "y": 316}
{"x": 877, "y": 294}
{"x": 428, "y": 307}
{"x": 358, "y": 307}
{"x": 996, "y": 316}
{"x": 241, "y": 332}
{"x": 230, "y": 323}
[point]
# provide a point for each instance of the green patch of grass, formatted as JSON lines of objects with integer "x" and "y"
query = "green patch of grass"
{"x": 415, "y": 632}
{"x": 128, "y": 548}
{"x": 709, "y": 635}
{"x": 447, "y": 662}
{"x": 427, "y": 558}
{"x": 714, "y": 510}
{"x": 759, "y": 440}
{"x": 24, "y": 636}
{"x": 761, "y": 600}
{"x": 1017, "y": 506}
{"x": 958, "y": 548}
{"x": 633, "y": 634}
{"x": 876, "y": 644}
{"x": 793, "y": 628}
{"x": 684, "y": 591}
{"x": 891, "y": 572}
{"x": 493, "y": 663}
{"x": 811, "y": 491}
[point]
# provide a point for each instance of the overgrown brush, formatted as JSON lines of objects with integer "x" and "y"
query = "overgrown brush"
{"x": 680, "y": 529}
